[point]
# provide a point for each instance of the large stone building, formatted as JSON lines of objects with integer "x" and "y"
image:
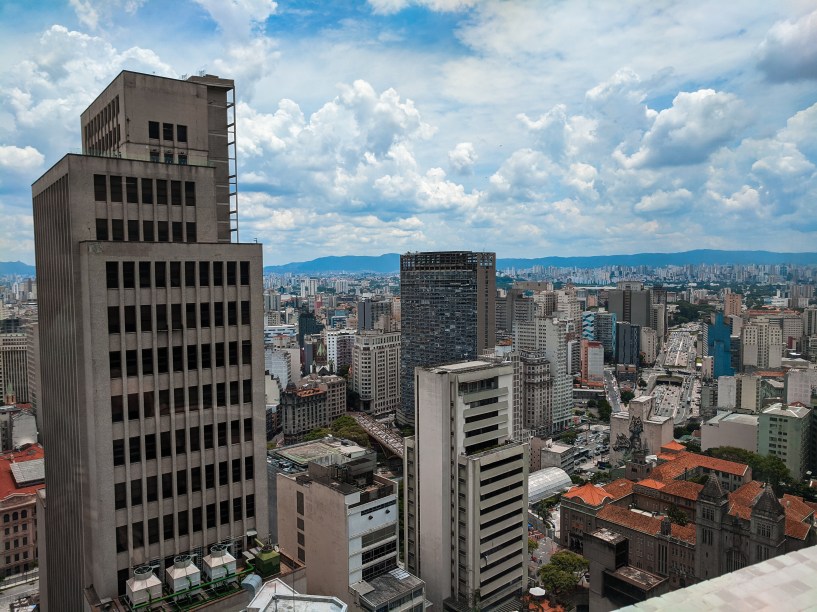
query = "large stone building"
{"x": 466, "y": 488}
{"x": 376, "y": 372}
{"x": 448, "y": 304}
{"x": 22, "y": 475}
{"x": 314, "y": 402}
{"x": 680, "y": 530}
{"x": 150, "y": 327}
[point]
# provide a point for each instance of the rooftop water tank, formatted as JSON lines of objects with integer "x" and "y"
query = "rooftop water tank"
{"x": 145, "y": 586}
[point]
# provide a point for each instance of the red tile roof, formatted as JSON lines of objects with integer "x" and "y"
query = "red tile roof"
{"x": 689, "y": 461}
{"x": 685, "y": 532}
{"x": 673, "y": 446}
{"x": 684, "y": 489}
{"x": 796, "y": 529}
{"x": 8, "y": 486}
{"x": 796, "y": 508}
{"x": 589, "y": 493}
{"x": 651, "y": 484}
{"x": 619, "y": 488}
{"x": 740, "y": 501}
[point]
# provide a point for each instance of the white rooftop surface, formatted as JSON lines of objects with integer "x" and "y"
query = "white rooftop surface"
{"x": 799, "y": 412}
{"x": 26, "y": 472}
{"x": 277, "y": 596}
{"x": 782, "y": 583}
{"x": 546, "y": 482}
{"x": 735, "y": 417}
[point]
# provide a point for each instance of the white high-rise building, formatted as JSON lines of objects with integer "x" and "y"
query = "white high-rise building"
{"x": 466, "y": 487}
{"x": 339, "y": 343}
{"x": 549, "y": 335}
{"x": 762, "y": 345}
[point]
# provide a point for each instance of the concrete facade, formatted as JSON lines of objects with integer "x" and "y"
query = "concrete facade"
{"x": 730, "y": 429}
{"x": 148, "y": 324}
{"x": 465, "y": 487}
{"x": 376, "y": 372}
{"x": 783, "y": 431}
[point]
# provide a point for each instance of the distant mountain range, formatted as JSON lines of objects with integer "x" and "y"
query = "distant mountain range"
{"x": 16, "y": 268}
{"x": 390, "y": 262}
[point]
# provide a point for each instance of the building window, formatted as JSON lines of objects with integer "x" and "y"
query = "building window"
{"x": 168, "y": 157}
{"x": 132, "y": 189}
{"x": 153, "y": 129}
{"x": 189, "y": 193}
{"x": 161, "y": 191}
{"x": 181, "y": 133}
{"x": 182, "y": 159}
{"x": 100, "y": 188}
{"x": 167, "y": 131}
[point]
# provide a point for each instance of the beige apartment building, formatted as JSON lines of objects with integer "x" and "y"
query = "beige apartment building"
{"x": 376, "y": 371}
{"x": 150, "y": 328}
{"x": 466, "y": 487}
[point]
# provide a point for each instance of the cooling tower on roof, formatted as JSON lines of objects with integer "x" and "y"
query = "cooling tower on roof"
{"x": 183, "y": 575}
{"x": 219, "y": 563}
{"x": 144, "y": 586}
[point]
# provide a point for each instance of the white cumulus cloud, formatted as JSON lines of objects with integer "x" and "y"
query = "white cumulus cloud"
{"x": 789, "y": 51}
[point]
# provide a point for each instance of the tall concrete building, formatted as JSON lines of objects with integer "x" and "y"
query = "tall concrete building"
{"x": 628, "y": 343}
{"x": 549, "y": 336}
{"x": 732, "y": 303}
{"x": 761, "y": 345}
{"x": 466, "y": 488}
{"x": 785, "y": 431}
{"x": 448, "y": 304}
{"x": 631, "y": 303}
{"x": 376, "y": 372}
{"x": 150, "y": 320}
{"x": 14, "y": 367}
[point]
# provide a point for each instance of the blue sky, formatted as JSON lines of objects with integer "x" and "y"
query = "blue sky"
{"x": 528, "y": 128}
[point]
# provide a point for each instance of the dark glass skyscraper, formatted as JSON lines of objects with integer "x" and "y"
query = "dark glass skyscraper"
{"x": 448, "y": 303}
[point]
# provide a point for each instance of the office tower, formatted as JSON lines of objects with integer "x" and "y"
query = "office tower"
{"x": 278, "y": 363}
{"x": 719, "y": 345}
{"x": 732, "y": 303}
{"x": 150, "y": 322}
{"x": 628, "y": 343}
{"x": 373, "y": 314}
{"x": 339, "y": 343}
{"x": 784, "y": 431}
{"x": 341, "y": 518}
{"x": 605, "y": 328}
{"x": 589, "y": 325}
{"x": 466, "y": 487}
{"x": 592, "y": 362}
{"x": 810, "y": 321}
{"x": 549, "y": 336}
{"x": 448, "y": 312}
{"x": 14, "y": 367}
{"x": 649, "y": 345}
{"x": 632, "y": 303}
{"x": 376, "y": 372}
{"x": 762, "y": 345}
{"x": 658, "y": 321}
{"x": 574, "y": 357}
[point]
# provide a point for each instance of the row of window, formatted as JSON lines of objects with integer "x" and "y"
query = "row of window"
{"x": 228, "y": 472}
{"x": 188, "y": 355}
{"x": 16, "y": 543}
{"x": 207, "y": 273}
{"x": 167, "y": 131}
{"x": 13, "y": 516}
{"x": 184, "y": 523}
{"x": 177, "y": 441}
{"x": 112, "y": 188}
{"x": 181, "y": 316}
{"x": 166, "y": 231}
{"x": 179, "y": 406}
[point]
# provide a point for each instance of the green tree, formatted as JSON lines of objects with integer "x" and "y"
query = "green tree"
{"x": 557, "y": 581}
{"x": 569, "y": 436}
{"x": 533, "y": 546}
{"x": 605, "y": 411}
{"x": 676, "y": 515}
{"x": 626, "y": 396}
{"x": 642, "y": 384}
{"x": 591, "y": 403}
{"x": 570, "y": 562}
{"x": 318, "y": 434}
{"x": 766, "y": 468}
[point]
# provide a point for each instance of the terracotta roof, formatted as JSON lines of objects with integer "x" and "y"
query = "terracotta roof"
{"x": 651, "y": 484}
{"x": 619, "y": 488}
{"x": 589, "y": 493}
{"x": 627, "y": 518}
{"x": 666, "y": 456}
{"x": 688, "y": 461}
{"x": 685, "y": 532}
{"x": 740, "y": 501}
{"x": 796, "y": 529}
{"x": 8, "y": 486}
{"x": 796, "y": 508}
{"x": 683, "y": 488}
{"x": 673, "y": 446}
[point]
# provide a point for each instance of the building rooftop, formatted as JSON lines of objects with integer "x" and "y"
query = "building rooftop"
{"x": 276, "y": 596}
{"x": 30, "y": 479}
{"x": 644, "y": 522}
{"x": 589, "y": 493}
{"x": 686, "y": 461}
{"x": 608, "y": 536}
{"x": 546, "y": 482}
{"x": 381, "y": 590}
{"x": 785, "y": 582}
{"x": 792, "y": 411}
{"x": 465, "y": 366}
{"x": 305, "y": 452}
{"x": 619, "y": 488}
{"x": 638, "y": 577}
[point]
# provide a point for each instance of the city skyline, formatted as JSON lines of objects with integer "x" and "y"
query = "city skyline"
{"x": 395, "y": 126}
